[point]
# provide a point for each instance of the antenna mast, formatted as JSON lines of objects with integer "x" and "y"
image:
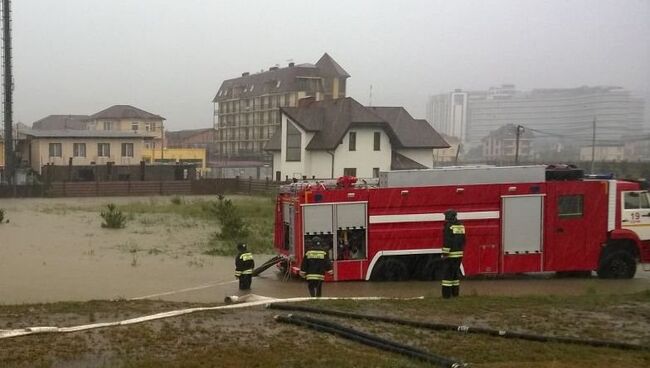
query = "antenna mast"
{"x": 8, "y": 91}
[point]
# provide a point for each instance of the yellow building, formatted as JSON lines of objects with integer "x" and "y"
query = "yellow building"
{"x": 82, "y": 147}
{"x": 186, "y": 155}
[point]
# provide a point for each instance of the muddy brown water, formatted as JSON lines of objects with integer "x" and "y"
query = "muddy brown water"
{"x": 49, "y": 253}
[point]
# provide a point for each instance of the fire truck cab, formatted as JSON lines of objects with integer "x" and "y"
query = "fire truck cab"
{"x": 518, "y": 219}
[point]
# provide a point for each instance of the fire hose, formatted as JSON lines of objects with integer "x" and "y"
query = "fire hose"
{"x": 368, "y": 339}
{"x": 465, "y": 329}
{"x": 268, "y": 264}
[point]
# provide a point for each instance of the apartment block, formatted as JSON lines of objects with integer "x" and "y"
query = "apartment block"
{"x": 247, "y": 108}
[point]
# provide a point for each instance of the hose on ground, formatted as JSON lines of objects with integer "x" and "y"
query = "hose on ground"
{"x": 465, "y": 329}
{"x": 368, "y": 339}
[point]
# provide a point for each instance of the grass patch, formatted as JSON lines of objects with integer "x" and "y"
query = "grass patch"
{"x": 251, "y": 338}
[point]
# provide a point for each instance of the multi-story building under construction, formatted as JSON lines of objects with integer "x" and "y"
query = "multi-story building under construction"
{"x": 246, "y": 108}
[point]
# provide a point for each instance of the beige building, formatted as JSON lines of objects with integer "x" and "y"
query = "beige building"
{"x": 501, "y": 144}
{"x": 246, "y": 109}
{"x": 81, "y": 147}
{"x": 126, "y": 118}
{"x": 614, "y": 152}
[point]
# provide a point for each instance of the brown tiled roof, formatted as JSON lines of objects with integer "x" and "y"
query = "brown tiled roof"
{"x": 330, "y": 120}
{"x": 125, "y": 112}
{"x": 278, "y": 80}
{"x": 413, "y": 133}
{"x": 331, "y": 68}
{"x": 56, "y": 122}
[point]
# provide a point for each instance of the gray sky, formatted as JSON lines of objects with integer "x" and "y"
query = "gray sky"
{"x": 169, "y": 57}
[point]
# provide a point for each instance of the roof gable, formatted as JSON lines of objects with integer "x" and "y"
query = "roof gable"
{"x": 330, "y": 120}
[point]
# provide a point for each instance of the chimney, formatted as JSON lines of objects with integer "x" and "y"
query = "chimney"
{"x": 245, "y": 74}
{"x": 291, "y": 64}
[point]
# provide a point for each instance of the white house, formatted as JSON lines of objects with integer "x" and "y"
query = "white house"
{"x": 331, "y": 138}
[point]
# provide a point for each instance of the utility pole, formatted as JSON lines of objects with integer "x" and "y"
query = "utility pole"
{"x": 8, "y": 91}
{"x": 593, "y": 146}
{"x": 519, "y": 129}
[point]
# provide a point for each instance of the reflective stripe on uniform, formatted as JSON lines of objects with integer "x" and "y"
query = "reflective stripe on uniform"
{"x": 457, "y": 229}
{"x": 315, "y": 254}
{"x": 445, "y": 250}
{"x": 456, "y": 254}
{"x": 237, "y": 273}
{"x": 455, "y": 283}
{"x": 246, "y": 256}
{"x": 447, "y": 283}
{"x": 247, "y": 272}
{"x": 314, "y": 276}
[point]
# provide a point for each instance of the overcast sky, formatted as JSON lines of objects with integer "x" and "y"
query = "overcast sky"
{"x": 169, "y": 57}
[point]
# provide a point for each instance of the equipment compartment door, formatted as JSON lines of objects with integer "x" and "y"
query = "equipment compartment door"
{"x": 521, "y": 232}
{"x": 351, "y": 250}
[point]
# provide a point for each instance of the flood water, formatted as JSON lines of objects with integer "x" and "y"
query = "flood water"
{"x": 48, "y": 254}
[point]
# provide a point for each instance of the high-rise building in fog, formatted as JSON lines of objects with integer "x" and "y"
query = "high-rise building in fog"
{"x": 561, "y": 112}
{"x": 247, "y": 107}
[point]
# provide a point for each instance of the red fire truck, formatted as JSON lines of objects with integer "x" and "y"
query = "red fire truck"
{"x": 517, "y": 219}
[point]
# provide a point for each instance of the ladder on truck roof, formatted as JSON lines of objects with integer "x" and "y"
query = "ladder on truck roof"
{"x": 463, "y": 175}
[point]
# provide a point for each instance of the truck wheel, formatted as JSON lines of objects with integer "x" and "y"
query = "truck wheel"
{"x": 392, "y": 270}
{"x": 617, "y": 265}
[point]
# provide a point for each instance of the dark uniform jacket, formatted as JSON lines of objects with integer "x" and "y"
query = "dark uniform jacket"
{"x": 315, "y": 263}
{"x": 244, "y": 263}
{"x": 454, "y": 239}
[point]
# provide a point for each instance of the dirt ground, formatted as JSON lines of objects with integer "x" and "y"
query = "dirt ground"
{"x": 252, "y": 338}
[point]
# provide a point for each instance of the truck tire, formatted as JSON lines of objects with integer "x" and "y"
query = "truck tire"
{"x": 391, "y": 269}
{"x": 619, "y": 264}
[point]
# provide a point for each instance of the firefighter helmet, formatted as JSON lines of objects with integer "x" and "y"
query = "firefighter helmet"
{"x": 241, "y": 247}
{"x": 316, "y": 242}
{"x": 450, "y": 215}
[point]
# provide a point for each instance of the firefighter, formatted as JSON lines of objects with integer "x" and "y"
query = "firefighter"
{"x": 453, "y": 236}
{"x": 244, "y": 265}
{"x": 314, "y": 265}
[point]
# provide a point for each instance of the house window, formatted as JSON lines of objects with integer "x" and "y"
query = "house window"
{"x": 377, "y": 142}
{"x": 135, "y": 126}
{"x": 293, "y": 143}
{"x": 570, "y": 206}
{"x": 350, "y": 171}
{"x": 108, "y": 125}
{"x": 353, "y": 141}
{"x": 104, "y": 149}
{"x": 375, "y": 172}
{"x": 127, "y": 149}
{"x": 79, "y": 150}
{"x": 55, "y": 149}
{"x": 147, "y": 127}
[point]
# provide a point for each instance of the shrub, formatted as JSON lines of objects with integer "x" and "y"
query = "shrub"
{"x": 2, "y": 215}
{"x": 176, "y": 200}
{"x": 113, "y": 218}
{"x": 233, "y": 226}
